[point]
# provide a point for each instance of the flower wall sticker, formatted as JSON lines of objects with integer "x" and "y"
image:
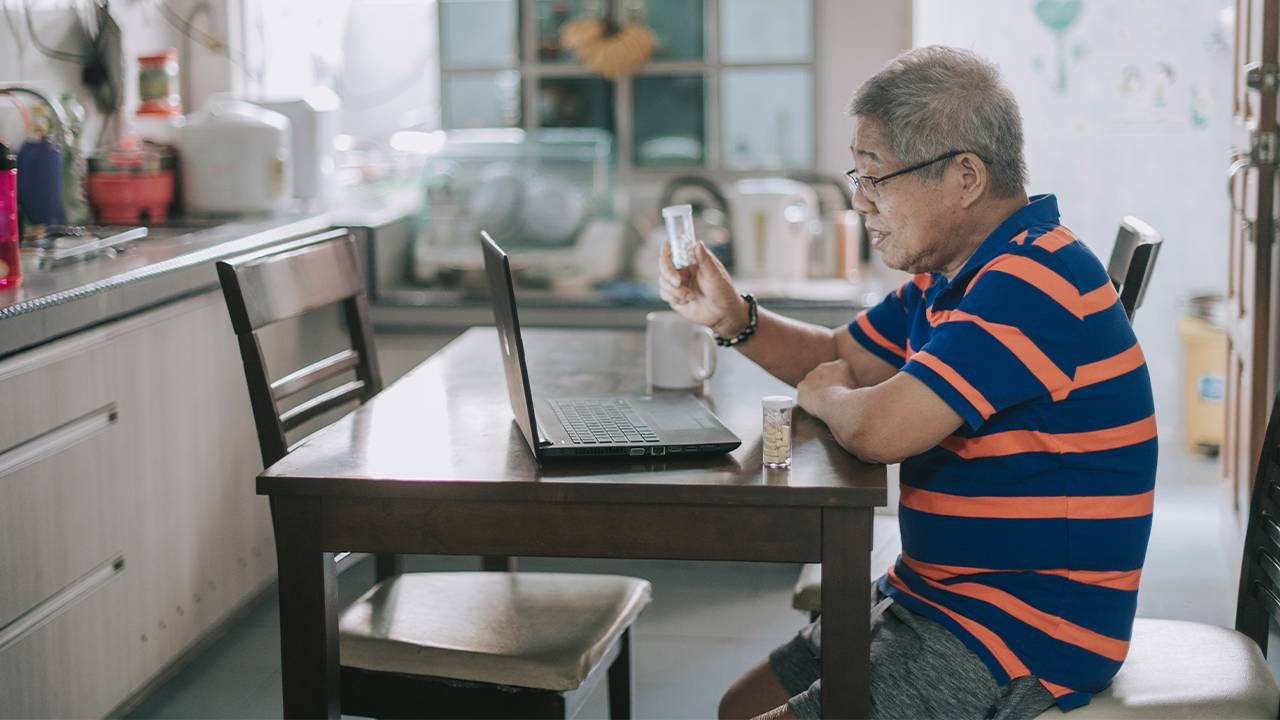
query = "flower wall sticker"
{"x": 1058, "y": 16}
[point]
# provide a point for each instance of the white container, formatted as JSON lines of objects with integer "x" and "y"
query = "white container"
{"x": 235, "y": 159}
{"x": 772, "y": 228}
{"x": 776, "y": 436}
{"x": 314, "y": 121}
{"x": 679, "y": 222}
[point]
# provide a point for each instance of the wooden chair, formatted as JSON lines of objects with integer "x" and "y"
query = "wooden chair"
{"x": 1133, "y": 257}
{"x": 461, "y": 644}
{"x": 1179, "y": 669}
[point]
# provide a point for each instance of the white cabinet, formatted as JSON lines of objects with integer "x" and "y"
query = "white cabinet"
{"x": 200, "y": 540}
{"x": 62, "y": 542}
{"x": 132, "y": 442}
{"x": 130, "y": 526}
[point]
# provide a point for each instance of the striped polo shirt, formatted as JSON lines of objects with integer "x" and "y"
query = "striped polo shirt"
{"x": 1025, "y": 531}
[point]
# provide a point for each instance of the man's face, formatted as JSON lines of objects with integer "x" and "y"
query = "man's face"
{"x": 910, "y": 220}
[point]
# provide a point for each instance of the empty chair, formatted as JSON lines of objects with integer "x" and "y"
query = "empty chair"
{"x": 1132, "y": 259}
{"x": 459, "y": 644}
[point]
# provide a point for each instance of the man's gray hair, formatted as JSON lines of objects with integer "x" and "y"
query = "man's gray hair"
{"x": 936, "y": 99}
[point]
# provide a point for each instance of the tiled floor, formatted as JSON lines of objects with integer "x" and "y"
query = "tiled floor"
{"x": 709, "y": 621}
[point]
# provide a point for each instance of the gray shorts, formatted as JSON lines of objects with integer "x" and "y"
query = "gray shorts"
{"x": 918, "y": 670}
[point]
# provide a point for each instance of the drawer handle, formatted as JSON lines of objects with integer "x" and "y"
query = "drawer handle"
{"x": 56, "y": 604}
{"x": 56, "y": 440}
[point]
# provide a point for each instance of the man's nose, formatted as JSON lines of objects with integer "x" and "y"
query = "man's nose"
{"x": 861, "y": 203}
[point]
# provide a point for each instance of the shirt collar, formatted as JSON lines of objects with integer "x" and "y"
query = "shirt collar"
{"x": 1039, "y": 210}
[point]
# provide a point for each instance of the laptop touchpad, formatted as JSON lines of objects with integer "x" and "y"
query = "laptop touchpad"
{"x": 678, "y": 418}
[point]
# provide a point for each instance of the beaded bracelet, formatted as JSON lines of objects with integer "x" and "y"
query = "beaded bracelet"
{"x": 749, "y": 330}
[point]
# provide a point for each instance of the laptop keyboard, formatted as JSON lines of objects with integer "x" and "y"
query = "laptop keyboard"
{"x": 590, "y": 422}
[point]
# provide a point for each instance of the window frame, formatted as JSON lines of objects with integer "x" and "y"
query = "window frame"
{"x": 710, "y": 68}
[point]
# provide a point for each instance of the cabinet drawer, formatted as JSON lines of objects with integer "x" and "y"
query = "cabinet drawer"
{"x": 57, "y": 509}
{"x": 66, "y": 658}
{"x": 50, "y": 386}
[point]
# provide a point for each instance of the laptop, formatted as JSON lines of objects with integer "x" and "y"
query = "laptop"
{"x": 619, "y": 425}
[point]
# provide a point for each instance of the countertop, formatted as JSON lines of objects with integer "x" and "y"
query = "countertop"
{"x": 170, "y": 263}
{"x": 173, "y": 263}
{"x": 825, "y": 301}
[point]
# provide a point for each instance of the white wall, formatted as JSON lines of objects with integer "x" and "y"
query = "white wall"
{"x": 855, "y": 39}
{"x": 380, "y": 57}
{"x": 1126, "y": 112}
{"x": 143, "y": 29}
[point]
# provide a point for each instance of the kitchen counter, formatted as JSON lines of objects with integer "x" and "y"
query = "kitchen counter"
{"x": 399, "y": 305}
{"x": 173, "y": 263}
{"x": 826, "y": 302}
{"x": 168, "y": 264}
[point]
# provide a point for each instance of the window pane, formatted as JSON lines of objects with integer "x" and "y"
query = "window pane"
{"x": 767, "y": 118}
{"x": 479, "y": 33}
{"x": 551, "y": 16}
{"x": 575, "y": 102}
{"x": 789, "y": 36}
{"x": 482, "y": 100}
{"x": 677, "y": 24}
{"x": 669, "y": 121}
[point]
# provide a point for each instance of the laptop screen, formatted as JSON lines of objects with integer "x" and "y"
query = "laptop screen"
{"x": 502, "y": 290}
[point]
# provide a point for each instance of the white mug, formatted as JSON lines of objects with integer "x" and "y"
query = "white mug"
{"x": 678, "y": 354}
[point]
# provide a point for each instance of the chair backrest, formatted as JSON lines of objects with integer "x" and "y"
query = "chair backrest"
{"x": 1258, "y": 602}
{"x": 283, "y": 282}
{"x": 1132, "y": 259}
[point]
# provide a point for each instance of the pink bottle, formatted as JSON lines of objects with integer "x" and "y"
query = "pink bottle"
{"x": 10, "y": 265}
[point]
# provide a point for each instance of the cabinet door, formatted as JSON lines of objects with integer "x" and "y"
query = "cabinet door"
{"x": 73, "y": 665}
{"x": 201, "y": 540}
{"x": 57, "y": 445}
{"x": 62, "y": 556}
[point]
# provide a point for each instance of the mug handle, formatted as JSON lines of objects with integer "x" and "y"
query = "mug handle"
{"x": 708, "y": 354}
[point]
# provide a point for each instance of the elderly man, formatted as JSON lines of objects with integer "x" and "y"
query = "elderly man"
{"x": 1005, "y": 378}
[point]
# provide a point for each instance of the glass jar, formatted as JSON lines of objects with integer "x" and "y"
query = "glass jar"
{"x": 777, "y": 430}
{"x": 158, "y": 92}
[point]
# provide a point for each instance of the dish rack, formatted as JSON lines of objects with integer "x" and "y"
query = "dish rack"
{"x": 545, "y": 195}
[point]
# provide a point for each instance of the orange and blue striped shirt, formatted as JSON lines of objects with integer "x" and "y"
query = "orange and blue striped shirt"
{"x": 1024, "y": 532}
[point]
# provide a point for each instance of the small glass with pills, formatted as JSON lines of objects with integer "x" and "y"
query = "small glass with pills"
{"x": 777, "y": 430}
{"x": 679, "y": 220}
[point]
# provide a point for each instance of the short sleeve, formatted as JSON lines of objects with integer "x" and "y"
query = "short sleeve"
{"x": 1007, "y": 343}
{"x": 882, "y": 329}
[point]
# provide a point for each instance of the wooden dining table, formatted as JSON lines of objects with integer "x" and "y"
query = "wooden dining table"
{"x": 435, "y": 464}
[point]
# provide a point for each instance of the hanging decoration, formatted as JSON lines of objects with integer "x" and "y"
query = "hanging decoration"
{"x": 608, "y": 47}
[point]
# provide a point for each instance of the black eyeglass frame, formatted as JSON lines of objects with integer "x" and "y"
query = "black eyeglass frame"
{"x": 856, "y": 180}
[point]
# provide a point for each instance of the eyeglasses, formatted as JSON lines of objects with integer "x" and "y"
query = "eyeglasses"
{"x": 870, "y": 185}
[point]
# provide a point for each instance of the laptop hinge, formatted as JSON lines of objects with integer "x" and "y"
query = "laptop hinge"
{"x": 543, "y": 436}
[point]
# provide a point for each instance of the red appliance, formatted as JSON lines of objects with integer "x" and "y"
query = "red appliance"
{"x": 132, "y": 185}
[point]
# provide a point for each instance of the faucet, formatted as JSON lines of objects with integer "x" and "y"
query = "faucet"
{"x": 61, "y": 135}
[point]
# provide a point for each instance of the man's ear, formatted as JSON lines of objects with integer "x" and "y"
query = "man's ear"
{"x": 974, "y": 178}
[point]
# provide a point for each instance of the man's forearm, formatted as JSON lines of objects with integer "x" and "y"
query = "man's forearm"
{"x": 787, "y": 348}
{"x": 843, "y": 410}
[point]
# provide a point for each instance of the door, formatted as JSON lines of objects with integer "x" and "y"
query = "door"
{"x": 1250, "y": 322}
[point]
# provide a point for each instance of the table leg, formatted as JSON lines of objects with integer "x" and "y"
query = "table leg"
{"x": 846, "y": 610}
{"x": 308, "y": 610}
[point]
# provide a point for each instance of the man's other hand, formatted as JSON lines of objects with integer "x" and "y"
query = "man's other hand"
{"x": 835, "y": 373}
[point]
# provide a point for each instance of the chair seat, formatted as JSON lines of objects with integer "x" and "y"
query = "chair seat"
{"x": 1179, "y": 669}
{"x": 532, "y": 630}
{"x": 886, "y": 545}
